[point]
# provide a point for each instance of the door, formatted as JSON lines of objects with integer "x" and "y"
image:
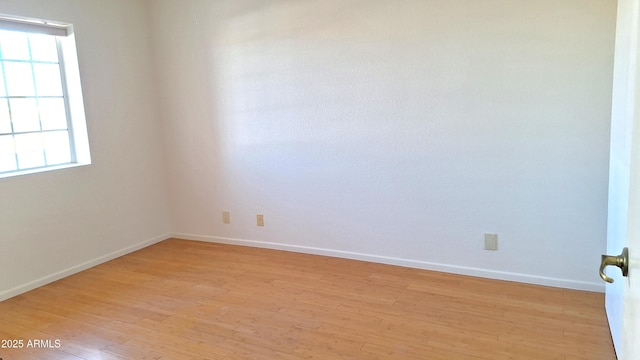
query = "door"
{"x": 623, "y": 223}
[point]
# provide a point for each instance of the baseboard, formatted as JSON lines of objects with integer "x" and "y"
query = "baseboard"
{"x": 454, "y": 269}
{"x": 4, "y": 295}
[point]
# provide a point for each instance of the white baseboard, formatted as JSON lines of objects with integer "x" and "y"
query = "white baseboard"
{"x": 454, "y": 269}
{"x": 80, "y": 267}
{"x": 491, "y": 274}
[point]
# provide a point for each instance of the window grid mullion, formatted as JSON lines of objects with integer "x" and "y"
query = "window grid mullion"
{"x": 30, "y": 61}
{"x": 34, "y": 132}
{"x": 32, "y": 97}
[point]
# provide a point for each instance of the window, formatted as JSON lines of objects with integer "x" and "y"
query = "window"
{"x": 42, "y": 123}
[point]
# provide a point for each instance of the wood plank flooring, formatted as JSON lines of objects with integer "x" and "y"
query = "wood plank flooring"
{"x": 191, "y": 300}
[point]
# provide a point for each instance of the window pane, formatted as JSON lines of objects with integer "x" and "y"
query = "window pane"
{"x": 7, "y": 154}
{"x": 52, "y": 114}
{"x": 24, "y": 113}
{"x": 19, "y": 78}
{"x": 15, "y": 45}
{"x": 43, "y": 48}
{"x": 56, "y": 145}
{"x": 5, "y": 120}
{"x": 30, "y": 150}
{"x": 8, "y": 163}
{"x": 48, "y": 79}
{"x": 30, "y": 160}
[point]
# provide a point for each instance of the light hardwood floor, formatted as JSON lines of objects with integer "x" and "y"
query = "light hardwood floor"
{"x": 191, "y": 300}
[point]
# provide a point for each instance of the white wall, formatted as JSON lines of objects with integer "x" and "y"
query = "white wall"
{"x": 395, "y": 131}
{"x": 56, "y": 223}
{"x": 398, "y": 131}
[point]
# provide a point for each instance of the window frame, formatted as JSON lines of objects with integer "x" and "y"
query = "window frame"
{"x": 71, "y": 90}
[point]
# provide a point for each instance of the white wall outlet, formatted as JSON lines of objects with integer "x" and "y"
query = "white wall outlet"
{"x": 491, "y": 242}
{"x": 226, "y": 217}
{"x": 260, "y": 219}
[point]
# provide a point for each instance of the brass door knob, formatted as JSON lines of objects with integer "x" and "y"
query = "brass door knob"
{"x": 621, "y": 261}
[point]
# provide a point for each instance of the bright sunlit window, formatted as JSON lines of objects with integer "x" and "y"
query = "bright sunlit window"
{"x": 42, "y": 124}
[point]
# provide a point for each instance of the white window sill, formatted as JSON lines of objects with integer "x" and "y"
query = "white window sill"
{"x": 40, "y": 170}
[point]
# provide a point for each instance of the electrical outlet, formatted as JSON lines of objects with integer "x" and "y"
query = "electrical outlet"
{"x": 491, "y": 242}
{"x": 226, "y": 217}
{"x": 260, "y": 219}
